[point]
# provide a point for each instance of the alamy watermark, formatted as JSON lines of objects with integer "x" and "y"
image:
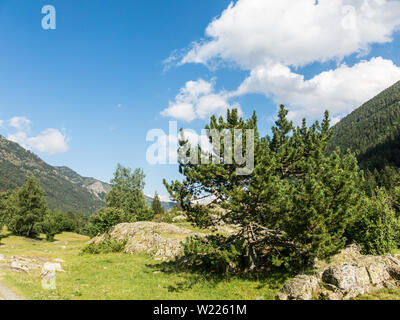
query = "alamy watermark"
{"x": 366, "y": 10}
{"x": 49, "y": 19}
{"x": 228, "y": 147}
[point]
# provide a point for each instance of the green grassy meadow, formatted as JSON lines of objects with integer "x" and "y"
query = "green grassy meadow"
{"x": 116, "y": 275}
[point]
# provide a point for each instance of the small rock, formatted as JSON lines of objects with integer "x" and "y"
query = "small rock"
{"x": 1, "y": 257}
{"x": 19, "y": 266}
{"x": 23, "y": 264}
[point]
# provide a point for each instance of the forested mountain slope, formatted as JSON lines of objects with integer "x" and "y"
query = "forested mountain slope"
{"x": 63, "y": 192}
{"x": 372, "y": 131}
{"x": 66, "y": 190}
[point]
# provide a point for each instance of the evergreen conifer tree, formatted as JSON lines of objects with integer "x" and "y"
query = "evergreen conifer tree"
{"x": 292, "y": 208}
{"x": 27, "y": 207}
{"x": 156, "y": 206}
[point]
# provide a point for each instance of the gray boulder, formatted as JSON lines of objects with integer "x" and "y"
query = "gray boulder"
{"x": 342, "y": 280}
{"x": 302, "y": 287}
{"x": 19, "y": 264}
{"x": 162, "y": 241}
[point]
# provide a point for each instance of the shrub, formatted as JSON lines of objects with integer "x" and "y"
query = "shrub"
{"x": 145, "y": 214}
{"x": 215, "y": 254}
{"x": 52, "y": 224}
{"x": 377, "y": 228}
{"x": 107, "y": 246}
{"x": 167, "y": 217}
{"x": 81, "y": 223}
{"x": 105, "y": 219}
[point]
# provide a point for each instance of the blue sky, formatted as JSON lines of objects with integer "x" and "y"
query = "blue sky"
{"x": 100, "y": 80}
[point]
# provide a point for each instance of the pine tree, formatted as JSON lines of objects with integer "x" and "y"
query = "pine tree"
{"x": 156, "y": 206}
{"x": 27, "y": 207}
{"x": 292, "y": 208}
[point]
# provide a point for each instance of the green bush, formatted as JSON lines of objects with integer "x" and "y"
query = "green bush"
{"x": 167, "y": 217}
{"x": 105, "y": 219}
{"x": 107, "y": 246}
{"x": 145, "y": 214}
{"x": 396, "y": 201}
{"x": 81, "y": 223}
{"x": 215, "y": 254}
{"x": 377, "y": 228}
{"x": 4, "y": 212}
{"x": 53, "y": 223}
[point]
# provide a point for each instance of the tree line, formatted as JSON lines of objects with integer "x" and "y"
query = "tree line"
{"x": 25, "y": 211}
{"x": 372, "y": 133}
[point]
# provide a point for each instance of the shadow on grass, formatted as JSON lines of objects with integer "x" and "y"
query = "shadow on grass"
{"x": 272, "y": 279}
{"x": 4, "y": 235}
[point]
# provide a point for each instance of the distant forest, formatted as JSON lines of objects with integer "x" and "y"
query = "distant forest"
{"x": 372, "y": 131}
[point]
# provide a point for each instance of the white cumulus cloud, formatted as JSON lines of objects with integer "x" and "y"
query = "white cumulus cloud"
{"x": 20, "y": 123}
{"x": 251, "y": 32}
{"x": 49, "y": 141}
{"x": 339, "y": 90}
{"x": 270, "y": 39}
{"x": 198, "y": 99}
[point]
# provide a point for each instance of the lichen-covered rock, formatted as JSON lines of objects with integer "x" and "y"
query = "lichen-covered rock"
{"x": 302, "y": 287}
{"x": 348, "y": 275}
{"x": 162, "y": 241}
{"x": 23, "y": 264}
{"x": 394, "y": 272}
